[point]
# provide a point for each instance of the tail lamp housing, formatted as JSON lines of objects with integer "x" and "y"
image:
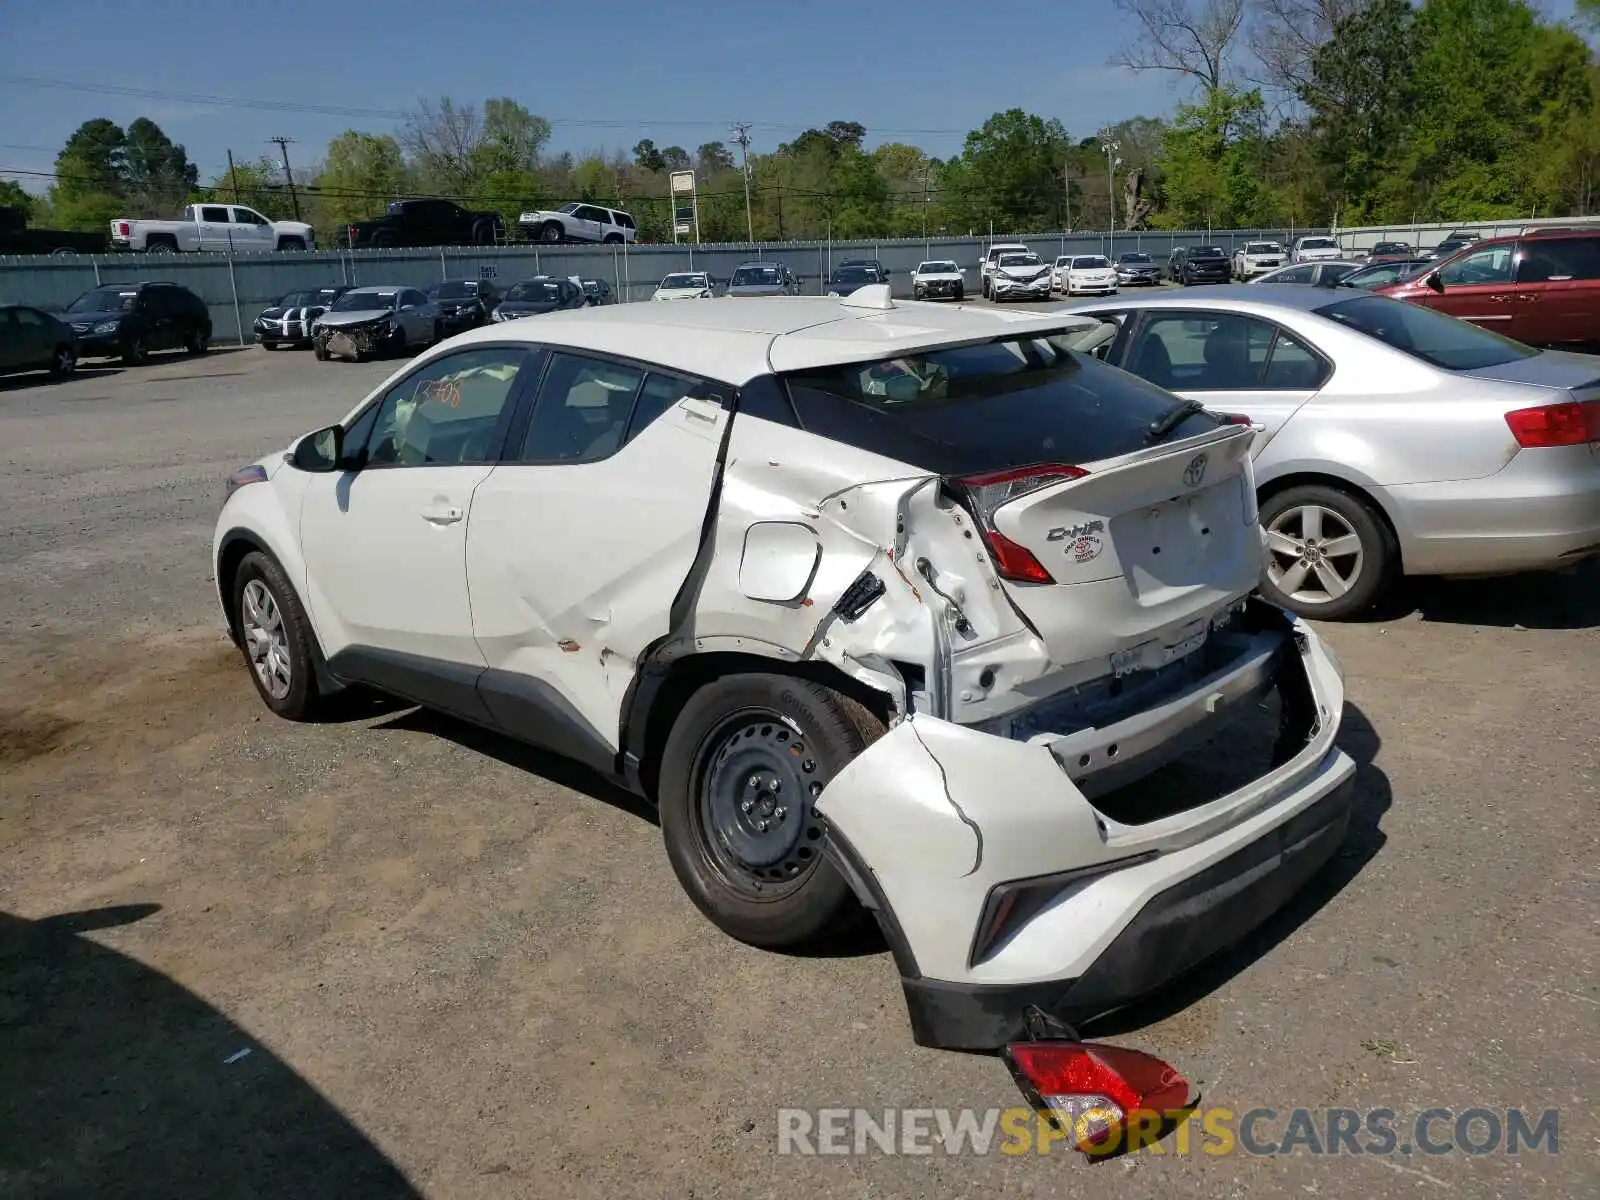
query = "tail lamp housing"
{"x": 986, "y": 493}
{"x": 1094, "y": 1093}
{"x": 1573, "y": 423}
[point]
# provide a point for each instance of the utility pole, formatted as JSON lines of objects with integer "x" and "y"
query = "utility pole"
{"x": 741, "y": 138}
{"x": 1112, "y": 163}
{"x": 283, "y": 145}
{"x": 234, "y": 176}
{"x": 927, "y": 171}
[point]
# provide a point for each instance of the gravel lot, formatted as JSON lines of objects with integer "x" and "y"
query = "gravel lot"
{"x": 462, "y": 968}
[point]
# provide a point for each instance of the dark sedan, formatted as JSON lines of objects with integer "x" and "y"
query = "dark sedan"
{"x": 464, "y": 303}
{"x": 289, "y": 321}
{"x": 1203, "y": 264}
{"x": 541, "y": 294}
{"x": 849, "y": 278}
{"x": 1391, "y": 252}
{"x": 31, "y": 340}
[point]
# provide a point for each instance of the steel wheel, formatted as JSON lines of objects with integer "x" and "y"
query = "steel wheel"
{"x": 265, "y": 640}
{"x": 756, "y": 782}
{"x": 1314, "y": 555}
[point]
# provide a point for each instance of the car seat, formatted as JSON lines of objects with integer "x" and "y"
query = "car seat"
{"x": 1227, "y": 355}
{"x": 1153, "y": 362}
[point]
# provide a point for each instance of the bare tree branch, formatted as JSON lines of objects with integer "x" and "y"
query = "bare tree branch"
{"x": 1192, "y": 38}
{"x": 1283, "y": 35}
{"x": 443, "y": 139}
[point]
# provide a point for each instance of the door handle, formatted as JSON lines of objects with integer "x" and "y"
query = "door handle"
{"x": 442, "y": 514}
{"x": 1501, "y": 299}
{"x": 705, "y": 410}
{"x": 1527, "y": 297}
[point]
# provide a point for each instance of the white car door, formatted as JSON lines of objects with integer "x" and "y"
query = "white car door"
{"x": 251, "y": 230}
{"x": 215, "y": 230}
{"x": 579, "y": 541}
{"x": 1229, "y": 362}
{"x": 385, "y": 541}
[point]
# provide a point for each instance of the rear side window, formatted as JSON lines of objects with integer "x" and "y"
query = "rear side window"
{"x": 1424, "y": 333}
{"x": 1559, "y": 260}
{"x": 582, "y": 411}
{"x": 1222, "y": 352}
{"x": 1003, "y": 404}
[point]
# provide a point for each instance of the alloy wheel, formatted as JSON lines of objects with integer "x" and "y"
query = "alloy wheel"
{"x": 265, "y": 639}
{"x": 1314, "y": 555}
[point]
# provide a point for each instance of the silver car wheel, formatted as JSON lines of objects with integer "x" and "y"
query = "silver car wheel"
{"x": 265, "y": 639}
{"x": 1314, "y": 556}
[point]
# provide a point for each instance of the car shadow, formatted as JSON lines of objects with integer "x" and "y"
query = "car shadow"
{"x": 118, "y": 1081}
{"x": 1362, "y": 842}
{"x": 1536, "y": 600}
{"x": 502, "y": 748}
{"x": 38, "y": 379}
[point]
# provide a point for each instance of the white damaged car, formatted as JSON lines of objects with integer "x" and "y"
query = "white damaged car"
{"x": 1020, "y": 276}
{"x": 898, "y": 607}
{"x": 684, "y": 285}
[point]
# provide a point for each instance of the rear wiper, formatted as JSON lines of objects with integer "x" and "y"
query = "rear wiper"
{"x": 1160, "y": 429}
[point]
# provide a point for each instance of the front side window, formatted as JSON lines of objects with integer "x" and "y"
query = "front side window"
{"x": 245, "y": 216}
{"x": 1491, "y": 265}
{"x": 450, "y": 412}
{"x": 1427, "y": 334}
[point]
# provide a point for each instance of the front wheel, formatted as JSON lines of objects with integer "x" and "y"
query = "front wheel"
{"x": 1329, "y": 555}
{"x": 199, "y": 342}
{"x": 135, "y": 352}
{"x": 320, "y": 350}
{"x": 961, "y": 294}
{"x": 551, "y": 234}
{"x": 291, "y": 243}
{"x": 742, "y": 768}
{"x": 275, "y": 636}
{"x": 63, "y": 362}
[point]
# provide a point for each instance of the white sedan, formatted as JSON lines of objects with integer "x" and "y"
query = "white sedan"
{"x": 736, "y": 558}
{"x": 1085, "y": 275}
{"x": 684, "y": 285}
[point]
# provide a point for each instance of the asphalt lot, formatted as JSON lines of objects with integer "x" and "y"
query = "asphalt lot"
{"x": 462, "y": 968}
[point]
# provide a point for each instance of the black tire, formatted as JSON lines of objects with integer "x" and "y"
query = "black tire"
{"x": 269, "y": 345}
{"x": 134, "y": 351}
{"x": 721, "y": 745}
{"x": 199, "y": 342}
{"x": 291, "y": 243}
{"x": 483, "y": 233}
{"x": 384, "y": 239}
{"x": 320, "y": 350}
{"x": 303, "y": 700}
{"x": 1366, "y": 577}
{"x": 438, "y": 332}
{"x": 63, "y": 362}
{"x": 551, "y": 233}
{"x": 395, "y": 346}
{"x": 961, "y": 294}
{"x": 613, "y": 239}
{"x": 160, "y": 245}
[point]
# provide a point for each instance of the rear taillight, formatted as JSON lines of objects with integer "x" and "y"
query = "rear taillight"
{"x": 122, "y": 229}
{"x": 1095, "y": 1093}
{"x": 989, "y": 491}
{"x": 1233, "y": 419}
{"x": 1569, "y": 424}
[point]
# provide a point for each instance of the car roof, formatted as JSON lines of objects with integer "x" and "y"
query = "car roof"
{"x": 1243, "y": 299}
{"x": 735, "y": 341}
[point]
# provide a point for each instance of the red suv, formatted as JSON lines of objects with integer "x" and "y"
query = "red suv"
{"x": 1539, "y": 288}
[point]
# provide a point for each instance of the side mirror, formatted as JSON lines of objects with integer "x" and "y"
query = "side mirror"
{"x": 319, "y": 452}
{"x": 1433, "y": 281}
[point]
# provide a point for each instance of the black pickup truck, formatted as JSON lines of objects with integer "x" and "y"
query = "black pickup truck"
{"x": 425, "y": 223}
{"x": 17, "y": 238}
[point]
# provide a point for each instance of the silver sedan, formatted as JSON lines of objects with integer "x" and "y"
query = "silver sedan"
{"x": 1392, "y": 440}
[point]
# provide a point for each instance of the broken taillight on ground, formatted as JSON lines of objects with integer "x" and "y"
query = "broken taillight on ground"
{"x": 986, "y": 493}
{"x": 1106, "y": 1099}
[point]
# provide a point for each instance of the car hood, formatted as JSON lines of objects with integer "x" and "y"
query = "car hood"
{"x": 680, "y": 293}
{"x": 1022, "y": 272}
{"x": 936, "y": 275}
{"x": 1551, "y": 369}
{"x": 354, "y": 317}
{"x": 1091, "y": 270}
{"x": 755, "y": 289}
{"x": 1150, "y": 266}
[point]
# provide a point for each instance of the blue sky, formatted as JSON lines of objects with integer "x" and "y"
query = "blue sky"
{"x": 604, "y": 74}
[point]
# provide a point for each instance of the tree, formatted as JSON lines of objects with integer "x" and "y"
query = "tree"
{"x": 1285, "y": 35}
{"x": 675, "y": 158}
{"x": 1192, "y": 39}
{"x": 443, "y": 140}
{"x": 512, "y": 139}
{"x": 360, "y": 173}
{"x": 89, "y": 176}
{"x": 12, "y": 195}
{"x": 1010, "y": 172}
{"x": 647, "y": 156}
{"x": 846, "y": 133}
{"x": 158, "y": 177}
{"x": 258, "y": 184}
{"x": 713, "y": 157}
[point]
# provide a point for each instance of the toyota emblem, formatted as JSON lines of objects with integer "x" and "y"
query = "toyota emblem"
{"x": 1195, "y": 471}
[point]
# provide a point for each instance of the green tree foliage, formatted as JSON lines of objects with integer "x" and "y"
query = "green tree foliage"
{"x": 158, "y": 177}
{"x": 105, "y": 171}
{"x": 258, "y": 184}
{"x": 361, "y": 172}
{"x": 1010, "y": 173}
{"x": 13, "y": 195}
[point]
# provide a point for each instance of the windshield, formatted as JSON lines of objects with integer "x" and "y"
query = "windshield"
{"x": 938, "y": 267}
{"x": 1135, "y": 256}
{"x": 1263, "y": 248}
{"x": 1426, "y": 334}
{"x": 1020, "y": 260}
{"x": 1089, "y": 262}
{"x": 106, "y": 299}
{"x": 1318, "y": 243}
{"x": 684, "y": 281}
{"x": 568, "y": 208}
{"x": 854, "y": 275}
{"x": 364, "y": 301}
{"x": 988, "y": 407}
{"x": 754, "y": 276}
{"x": 1207, "y": 252}
{"x": 458, "y": 289}
{"x": 537, "y": 292}
{"x": 305, "y": 299}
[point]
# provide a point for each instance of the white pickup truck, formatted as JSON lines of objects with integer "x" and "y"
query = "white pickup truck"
{"x": 212, "y": 227}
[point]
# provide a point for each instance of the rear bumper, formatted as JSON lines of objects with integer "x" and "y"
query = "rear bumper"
{"x": 1541, "y": 510}
{"x": 938, "y": 824}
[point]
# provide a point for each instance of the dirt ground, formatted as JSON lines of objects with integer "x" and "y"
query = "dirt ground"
{"x": 397, "y": 956}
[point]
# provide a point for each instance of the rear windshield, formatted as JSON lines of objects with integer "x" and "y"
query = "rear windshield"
{"x": 1089, "y": 262}
{"x": 1207, "y": 252}
{"x": 966, "y": 409}
{"x": 1423, "y": 333}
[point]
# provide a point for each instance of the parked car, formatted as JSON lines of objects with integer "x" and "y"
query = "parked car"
{"x": 1019, "y": 276}
{"x": 685, "y": 285}
{"x": 1393, "y": 440}
{"x": 1321, "y": 274}
{"x": 938, "y": 279}
{"x": 425, "y": 223}
{"x": 463, "y": 303}
{"x": 212, "y": 227}
{"x": 1383, "y": 274}
{"x": 1085, "y": 274}
{"x": 34, "y": 340}
{"x": 541, "y": 294}
{"x": 1316, "y": 248}
{"x": 131, "y": 321}
{"x": 578, "y": 223}
{"x": 597, "y": 292}
{"x": 986, "y": 264}
{"x": 846, "y": 278}
{"x": 1449, "y": 246}
{"x": 1391, "y": 252}
{"x": 1199, "y": 264}
{"x": 1543, "y": 289}
{"x": 762, "y": 279}
{"x": 1256, "y": 258}
{"x": 813, "y": 607}
{"x": 18, "y": 237}
{"x": 288, "y": 322}
{"x": 1135, "y": 268}
{"x": 867, "y": 264}
{"x": 377, "y": 320}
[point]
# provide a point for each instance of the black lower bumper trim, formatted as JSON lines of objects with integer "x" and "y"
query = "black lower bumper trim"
{"x": 1174, "y": 933}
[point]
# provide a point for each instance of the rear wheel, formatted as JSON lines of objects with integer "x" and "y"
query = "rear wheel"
{"x": 1329, "y": 555}
{"x": 135, "y": 352}
{"x": 743, "y": 766}
{"x": 275, "y": 636}
{"x": 199, "y": 342}
{"x": 63, "y": 362}
{"x": 160, "y": 245}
